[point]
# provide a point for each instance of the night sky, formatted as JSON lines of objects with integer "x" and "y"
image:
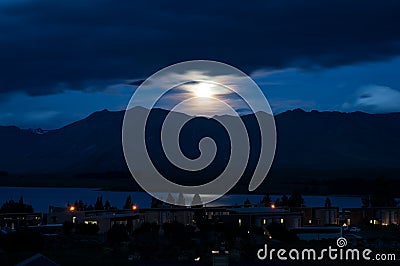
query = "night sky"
{"x": 62, "y": 60}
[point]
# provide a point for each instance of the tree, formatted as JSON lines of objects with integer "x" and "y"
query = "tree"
{"x": 170, "y": 199}
{"x": 107, "y": 205}
{"x": 128, "y": 203}
{"x": 181, "y": 200}
{"x": 247, "y": 202}
{"x": 196, "y": 200}
{"x": 156, "y": 203}
{"x": 382, "y": 195}
{"x": 328, "y": 203}
{"x": 21, "y": 201}
{"x": 266, "y": 201}
{"x": 81, "y": 205}
{"x": 15, "y": 207}
{"x": 99, "y": 204}
{"x": 278, "y": 202}
{"x": 284, "y": 201}
{"x": 295, "y": 200}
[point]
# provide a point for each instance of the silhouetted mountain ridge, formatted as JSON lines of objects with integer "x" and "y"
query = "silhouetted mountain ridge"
{"x": 307, "y": 140}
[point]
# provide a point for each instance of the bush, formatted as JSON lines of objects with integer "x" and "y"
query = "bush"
{"x": 277, "y": 231}
{"x": 87, "y": 229}
{"x": 117, "y": 234}
{"x": 23, "y": 240}
{"x": 67, "y": 227}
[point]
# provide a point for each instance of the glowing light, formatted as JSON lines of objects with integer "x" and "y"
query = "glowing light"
{"x": 72, "y": 208}
{"x": 134, "y": 207}
{"x": 273, "y": 206}
{"x": 197, "y": 259}
{"x": 90, "y": 222}
{"x": 203, "y": 89}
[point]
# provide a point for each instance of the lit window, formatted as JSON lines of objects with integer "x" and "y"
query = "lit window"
{"x": 281, "y": 220}
{"x": 264, "y": 221}
{"x": 240, "y": 222}
{"x": 90, "y": 222}
{"x": 74, "y": 219}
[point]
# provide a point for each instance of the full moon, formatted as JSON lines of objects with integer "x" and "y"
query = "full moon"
{"x": 203, "y": 90}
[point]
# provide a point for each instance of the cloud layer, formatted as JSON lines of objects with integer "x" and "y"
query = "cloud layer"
{"x": 48, "y": 46}
{"x": 377, "y": 99}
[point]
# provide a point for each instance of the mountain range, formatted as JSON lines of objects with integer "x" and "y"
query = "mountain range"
{"x": 320, "y": 141}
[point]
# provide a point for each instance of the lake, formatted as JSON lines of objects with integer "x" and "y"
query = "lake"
{"x": 41, "y": 198}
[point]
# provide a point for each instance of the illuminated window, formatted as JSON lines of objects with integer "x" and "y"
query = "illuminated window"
{"x": 264, "y": 221}
{"x": 309, "y": 221}
{"x": 281, "y": 220}
{"x": 240, "y": 222}
{"x": 74, "y": 219}
{"x": 90, "y": 222}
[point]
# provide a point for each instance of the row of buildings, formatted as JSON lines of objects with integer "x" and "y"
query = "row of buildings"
{"x": 249, "y": 216}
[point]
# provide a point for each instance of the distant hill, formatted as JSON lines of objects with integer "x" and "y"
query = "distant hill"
{"x": 334, "y": 140}
{"x": 310, "y": 141}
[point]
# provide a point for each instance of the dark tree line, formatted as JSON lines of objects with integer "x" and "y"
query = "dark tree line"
{"x": 16, "y": 207}
{"x": 79, "y": 205}
{"x": 294, "y": 200}
{"x": 382, "y": 194}
{"x": 98, "y": 206}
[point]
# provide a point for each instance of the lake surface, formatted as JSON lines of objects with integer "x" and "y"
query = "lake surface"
{"x": 41, "y": 198}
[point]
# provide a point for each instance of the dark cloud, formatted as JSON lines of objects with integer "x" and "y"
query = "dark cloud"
{"x": 136, "y": 82}
{"x": 49, "y": 46}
